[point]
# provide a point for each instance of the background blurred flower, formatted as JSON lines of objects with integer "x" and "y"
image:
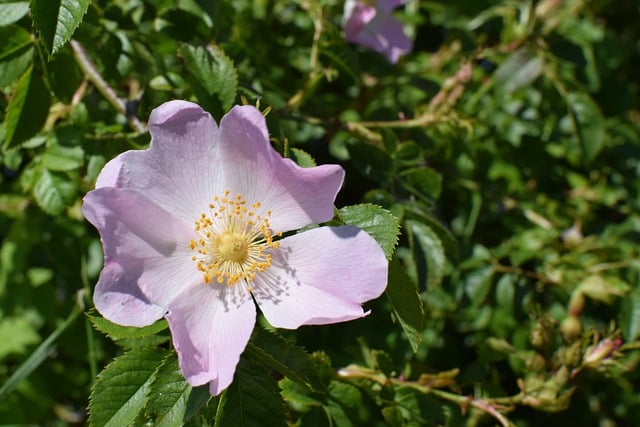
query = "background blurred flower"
{"x": 376, "y": 28}
{"x": 189, "y": 232}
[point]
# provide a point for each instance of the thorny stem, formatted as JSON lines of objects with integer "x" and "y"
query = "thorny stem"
{"x": 94, "y": 77}
{"x": 489, "y": 406}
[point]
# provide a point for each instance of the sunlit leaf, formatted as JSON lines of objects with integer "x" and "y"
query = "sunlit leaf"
{"x": 174, "y": 401}
{"x": 122, "y": 388}
{"x": 378, "y": 222}
{"x": 57, "y": 20}
{"x": 53, "y": 191}
{"x": 12, "y": 11}
{"x": 215, "y": 81}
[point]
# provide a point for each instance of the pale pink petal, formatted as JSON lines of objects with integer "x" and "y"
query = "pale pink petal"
{"x": 387, "y": 6}
{"x": 110, "y": 173}
{"x": 122, "y": 302}
{"x": 385, "y": 34}
{"x": 179, "y": 170}
{"x": 321, "y": 276}
{"x": 210, "y": 326}
{"x": 146, "y": 252}
{"x": 296, "y": 196}
{"x": 356, "y": 16}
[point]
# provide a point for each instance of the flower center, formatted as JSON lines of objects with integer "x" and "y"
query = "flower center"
{"x": 232, "y": 247}
{"x": 235, "y": 242}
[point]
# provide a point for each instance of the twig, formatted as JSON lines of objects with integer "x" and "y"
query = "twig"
{"x": 94, "y": 77}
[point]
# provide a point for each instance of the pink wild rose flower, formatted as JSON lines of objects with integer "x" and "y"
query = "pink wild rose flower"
{"x": 374, "y": 26}
{"x": 192, "y": 231}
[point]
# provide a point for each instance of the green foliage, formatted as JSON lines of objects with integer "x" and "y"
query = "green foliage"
{"x": 56, "y": 20}
{"x": 251, "y": 399}
{"x": 378, "y": 222}
{"x": 214, "y": 79}
{"x": 122, "y": 388}
{"x": 175, "y": 402}
{"x": 497, "y": 164}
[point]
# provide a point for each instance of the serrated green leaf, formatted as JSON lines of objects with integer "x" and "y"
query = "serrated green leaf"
{"x": 56, "y": 20}
{"x": 60, "y": 158}
{"x": 121, "y": 389}
{"x": 174, "y": 401}
{"x": 291, "y": 361}
{"x": 215, "y": 80}
{"x": 378, "y": 222}
{"x": 302, "y": 158}
{"x": 117, "y": 332}
{"x": 27, "y": 110}
{"x": 432, "y": 250}
{"x": 12, "y": 11}
{"x": 406, "y": 303}
{"x": 53, "y": 192}
{"x": 252, "y": 400}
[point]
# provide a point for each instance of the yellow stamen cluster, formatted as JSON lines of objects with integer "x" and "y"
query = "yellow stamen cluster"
{"x": 234, "y": 242}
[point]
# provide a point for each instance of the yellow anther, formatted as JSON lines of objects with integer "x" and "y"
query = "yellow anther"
{"x": 233, "y": 246}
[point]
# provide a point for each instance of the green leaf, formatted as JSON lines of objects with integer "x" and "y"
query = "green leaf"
{"x": 14, "y": 39}
{"x": 28, "y": 108}
{"x": 174, "y": 401}
{"x": 122, "y": 388}
{"x": 378, "y": 222}
{"x": 16, "y": 334}
{"x": 291, "y": 361}
{"x": 215, "y": 81}
{"x": 56, "y": 20}
{"x": 630, "y": 316}
{"x": 12, "y": 11}
{"x": 406, "y": 303}
{"x": 128, "y": 334}
{"x": 53, "y": 192}
{"x": 520, "y": 69}
{"x": 252, "y": 400}
{"x": 422, "y": 181}
{"x": 371, "y": 161}
{"x": 432, "y": 250}
{"x": 345, "y": 400}
{"x": 591, "y": 124}
{"x": 302, "y": 158}
{"x": 60, "y": 158}
{"x": 38, "y": 356}
{"x": 14, "y": 65}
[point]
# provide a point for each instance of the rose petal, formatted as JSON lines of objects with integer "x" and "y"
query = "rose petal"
{"x": 122, "y": 302}
{"x": 179, "y": 171}
{"x": 321, "y": 276}
{"x": 146, "y": 251}
{"x": 210, "y": 326}
{"x": 296, "y": 196}
{"x": 385, "y": 34}
{"x": 387, "y": 6}
{"x": 356, "y": 16}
